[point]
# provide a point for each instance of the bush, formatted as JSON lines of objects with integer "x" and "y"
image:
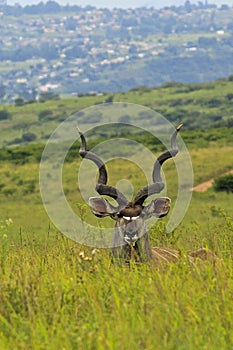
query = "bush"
{"x": 4, "y": 114}
{"x": 47, "y": 96}
{"x": 28, "y": 137}
{"x": 30, "y": 187}
{"x": 19, "y": 101}
{"x": 142, "y": 89}
{"x": 109, "y": 99}
{"x": 22, "y": 155}
{"x": 45, "y": 115}
{"x": 224, "y": 183}
{"x": 124, "y": 119}
{"x": 171, "y": 84}
{"x": 92, "y": 118}
{"x": 8, "y": 191}
{"x": 229, "y": 123}
{"x": 229, "y": 97}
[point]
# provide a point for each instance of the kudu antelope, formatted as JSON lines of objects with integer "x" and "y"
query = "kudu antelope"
{"x": 130, "y": 237}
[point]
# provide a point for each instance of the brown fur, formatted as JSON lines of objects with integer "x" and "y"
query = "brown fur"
{"x": 161, "y": 255}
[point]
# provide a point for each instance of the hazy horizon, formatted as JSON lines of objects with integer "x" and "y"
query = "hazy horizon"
{"x": 120, "y": 3}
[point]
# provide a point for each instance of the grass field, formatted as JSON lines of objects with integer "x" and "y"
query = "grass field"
{"x": 56, "y": 293}
{"x": 54, "y": 297}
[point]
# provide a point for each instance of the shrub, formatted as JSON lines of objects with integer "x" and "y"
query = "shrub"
{"x": 229, "y": 123}
{"x": 171, "y": 84}
{"x": 30, "y": 187}
{"x": 46, "y": 96}
{"x": 213, "y": 103}
{"x": 141, "y": 89}
{"x": 45, "y": 115}
{"x": 8, "y": 191}
{"x": 224, "y": 183}
{"x": 4, "y": 114}
{"x": 28, "y": 137}
{"x": 229, "y": 97}
{"x": 19, "y": 101}
{"x": 109, "y": 99}
{"x": 92, "y": 118}
{"x": 124, "y": 119}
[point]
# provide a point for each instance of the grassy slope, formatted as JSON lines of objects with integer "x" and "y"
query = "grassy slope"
{"x": 197, "y": 106}
{"x": 53, "y": 297}
{"x": 20, "y": 184}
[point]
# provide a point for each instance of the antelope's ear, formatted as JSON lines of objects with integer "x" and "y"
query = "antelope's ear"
{"x": 158, "y": 207}
{"x": 101, "y": 207}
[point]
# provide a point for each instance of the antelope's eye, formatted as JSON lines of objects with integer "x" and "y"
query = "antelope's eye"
{"x": 134, "y": 217}
{"x": 115, "y": 216}
{"x": 127, "y": 218}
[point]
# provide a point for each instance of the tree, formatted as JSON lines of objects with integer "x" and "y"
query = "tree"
{"x": 4, "y": 114}
{"x": 124, "y": 119}
{"x": 229, "y": 97}
{"x": 19, "y": 101}
{"x": 28, "y": 137}
{"x": 71, "y": 23}
{"x": 206, "y": 42}
{"x": 46, "y": 96}
{"x": 188, "y": 6}
{"x": 2, "y": 90}
{"x": 109, "y": 99}
{"x": 224, "y": 183}
{"x": 52, "y": 7}
{"x": 49, "y": 51}
{"x": 45, "y": 115}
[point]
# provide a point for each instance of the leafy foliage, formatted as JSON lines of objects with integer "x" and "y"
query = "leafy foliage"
{"x": 45, "y": 115}
{"x": 19, "y": 101}
{"x": 224, "y": 183}
{"x": 22, "y": 155}
{"x": 46, "y": 96}
{"x": 4, "y": 114}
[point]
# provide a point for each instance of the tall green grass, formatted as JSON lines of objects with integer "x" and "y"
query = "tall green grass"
{"x": 56, "y": 294}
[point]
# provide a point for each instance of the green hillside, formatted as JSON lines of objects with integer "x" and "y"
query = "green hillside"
{"x": 198, "y": 106}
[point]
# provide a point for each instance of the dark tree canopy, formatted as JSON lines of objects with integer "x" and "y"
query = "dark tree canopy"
{"x": 224, "y": 183}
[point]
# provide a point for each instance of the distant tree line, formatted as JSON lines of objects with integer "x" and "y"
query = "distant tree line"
{"x": 53, "y": 7}
{"x": 40, "y": 8}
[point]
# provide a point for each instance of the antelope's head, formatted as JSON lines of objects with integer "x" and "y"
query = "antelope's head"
{"x": 130, "y": 216}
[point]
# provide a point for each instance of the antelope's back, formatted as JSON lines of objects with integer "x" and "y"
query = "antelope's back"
{"x": 165, "y": 255}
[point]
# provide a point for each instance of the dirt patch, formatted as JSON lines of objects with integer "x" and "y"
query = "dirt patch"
{"x": 204, "y": 186}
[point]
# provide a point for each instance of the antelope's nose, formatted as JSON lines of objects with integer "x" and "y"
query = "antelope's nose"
{"x": 131, "y": 236}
